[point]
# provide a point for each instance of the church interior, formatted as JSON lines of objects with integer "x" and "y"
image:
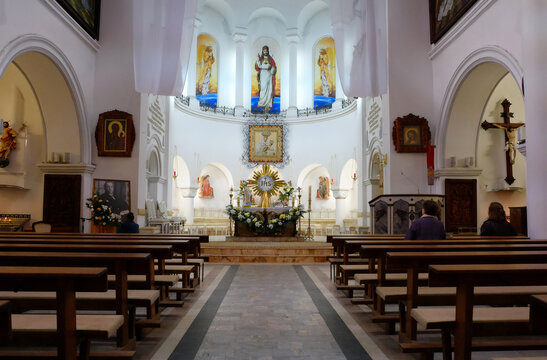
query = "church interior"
{"x": 256, "y": 137}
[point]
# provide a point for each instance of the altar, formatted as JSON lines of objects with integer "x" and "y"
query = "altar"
{"x": 272, "y": 221}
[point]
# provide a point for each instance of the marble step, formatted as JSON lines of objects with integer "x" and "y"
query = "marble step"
{"x": 263, "y": 258}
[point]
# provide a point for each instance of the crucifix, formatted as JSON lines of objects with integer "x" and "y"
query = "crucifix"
{"x": 510, "y": 138}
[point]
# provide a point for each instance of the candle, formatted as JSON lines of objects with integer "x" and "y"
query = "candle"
{"x": 309, "y": 197}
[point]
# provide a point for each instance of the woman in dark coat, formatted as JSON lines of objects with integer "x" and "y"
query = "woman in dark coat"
{"x": 497, "y": 225}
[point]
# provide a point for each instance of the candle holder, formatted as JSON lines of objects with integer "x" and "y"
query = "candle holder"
{"x": 308, "y": 236}
{"x": 354, "y": 177}
{"x": 229, "y": 217}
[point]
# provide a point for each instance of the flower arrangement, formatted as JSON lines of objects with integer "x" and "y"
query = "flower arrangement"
{"x": 278, "y": 223}
{"x": 286, "y": 192}
{"x": 101, "y": 213}
{"x": 253, "y": 222}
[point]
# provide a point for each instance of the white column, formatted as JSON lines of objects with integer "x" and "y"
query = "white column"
{"x": 340, "y": 195}
{"x": 293, "y": 38}
{"x": 191, "y": 76}
{"x": 240, "y": 36}
{"x": 188, "y": 195}
{"x": 534, "y": 45}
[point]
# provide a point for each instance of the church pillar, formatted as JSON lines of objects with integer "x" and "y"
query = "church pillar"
{"x": 191, "y": 76}
{"x": 293, "y": 38}
{"x": 534, "y": 47}
{"x": 188, "y": 195}
{"x": 240, "y": 36}
{"x": 340, "y": 195}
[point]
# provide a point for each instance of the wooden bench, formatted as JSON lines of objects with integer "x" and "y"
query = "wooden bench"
{"x": 465, "y": 277}
{"x": 118, "y": 299}
{"x": 65, "y": 282}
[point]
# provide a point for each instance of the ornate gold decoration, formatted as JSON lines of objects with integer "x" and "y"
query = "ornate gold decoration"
{"x": 266, "y": 183}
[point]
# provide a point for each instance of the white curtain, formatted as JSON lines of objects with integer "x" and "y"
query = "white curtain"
{"x": 163, "y": 31}
{"x": 359, "y": 29}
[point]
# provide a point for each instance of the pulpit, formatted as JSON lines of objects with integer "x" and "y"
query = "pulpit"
{"x": 393, "y": 214}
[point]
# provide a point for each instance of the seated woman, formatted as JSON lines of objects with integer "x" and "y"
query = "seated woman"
{"x": 497, "y": 225}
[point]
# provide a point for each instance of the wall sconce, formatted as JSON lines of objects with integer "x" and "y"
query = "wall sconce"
{"x": 354, "y": 177}
{"x": 175, "y": 174}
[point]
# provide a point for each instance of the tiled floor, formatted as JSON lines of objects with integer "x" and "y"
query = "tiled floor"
{"x": 274, "y": 311}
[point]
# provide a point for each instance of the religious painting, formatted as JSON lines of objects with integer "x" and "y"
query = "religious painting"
{"x": 323, "y": 189}
{"x": 116, "y": 192}
{"x": 206, "y": 71}
{"x": 115, "y": 134}
{"x": 205, "y": 189}
{"x": 265, "y": 77}
{"x": 443, "y": 14}
{"x": 265, "y": 143}
{"x": 86, "y": 13}
{"x": 324, "y": 83}
{"x": 411, "y": 134}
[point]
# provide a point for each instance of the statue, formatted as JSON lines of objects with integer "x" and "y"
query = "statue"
{"x": 7, "y": 143}
{"x": 510, "y": 144}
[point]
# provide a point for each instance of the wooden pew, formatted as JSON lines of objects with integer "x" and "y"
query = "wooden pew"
{"x": 465, "y": 277}
{"x": 65, "y": 281}
{"x": 378, "y": 253}
{"x": 118, "y": 264}
{"x": 416, "y": 262}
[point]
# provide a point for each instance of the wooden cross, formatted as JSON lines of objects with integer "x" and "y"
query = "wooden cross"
{"x": 510, "y": 138}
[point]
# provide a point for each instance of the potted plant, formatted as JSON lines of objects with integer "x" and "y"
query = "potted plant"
{"x": 102, "y": 218}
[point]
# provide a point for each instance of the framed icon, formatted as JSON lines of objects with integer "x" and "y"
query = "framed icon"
{"x": 411, "y": 134}
{"x": 266, "y": 143}
{"x": 115, "y": 134}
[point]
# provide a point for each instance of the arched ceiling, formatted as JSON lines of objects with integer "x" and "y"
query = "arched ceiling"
{"x": 292, "y": 13}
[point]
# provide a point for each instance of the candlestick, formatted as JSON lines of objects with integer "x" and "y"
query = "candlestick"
{"x": 309, "y": 195}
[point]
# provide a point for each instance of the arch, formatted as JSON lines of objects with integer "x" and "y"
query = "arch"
{"x": 154, "y": 163}
{"x": 267, "y": 12}
{"x": 33, "y": 43}
{"x": 308, "y": 12}
{"x": 305, "y": 172}
{"x": 488, "y": 54}
{"x": 346, "y": 175}
{"x": 183, "y": 173}
{"x": 225, "y": 171}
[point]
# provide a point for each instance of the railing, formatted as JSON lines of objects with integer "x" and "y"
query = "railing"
{"x": 230, "y": 111}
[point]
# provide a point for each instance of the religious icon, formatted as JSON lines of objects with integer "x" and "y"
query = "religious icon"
{"x": 323, "y": 190}
{"x": 265, "y": 143}
{"x": 411, "y": 135}
{"x": 115, "y": 134}
{"x": 265, "y": 86}
{"x": 207, "y": 71}
{"x": 324, "y": 74}
{"x": 7, "y": 142}
{"x": 205, "y": 189}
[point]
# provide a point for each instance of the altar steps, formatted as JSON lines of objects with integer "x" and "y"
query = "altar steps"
{"x": 267, "y": 252}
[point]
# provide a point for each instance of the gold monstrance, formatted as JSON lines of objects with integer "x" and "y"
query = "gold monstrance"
{"x": 266, "y": 183}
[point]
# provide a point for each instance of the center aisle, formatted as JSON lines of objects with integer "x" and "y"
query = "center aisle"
{"x": 268, "y": 312}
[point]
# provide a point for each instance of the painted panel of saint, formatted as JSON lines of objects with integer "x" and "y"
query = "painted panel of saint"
{"x": 205, "y": 189}
{"x": 324, "y": 79}
{"x": 265, "y": 78}
{"x": 323, "y": 190}
{"x": 206, "y": 71}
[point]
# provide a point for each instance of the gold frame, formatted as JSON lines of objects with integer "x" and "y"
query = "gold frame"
{"x": 276, "y": 141}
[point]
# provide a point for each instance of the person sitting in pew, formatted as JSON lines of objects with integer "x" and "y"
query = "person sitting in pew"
{"x": 129, "y": 225}
{"x": 497, "y": 224}
{"x": 428, "y": 226}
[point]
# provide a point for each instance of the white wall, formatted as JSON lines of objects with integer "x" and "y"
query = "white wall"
{"x": 409, "y": 90}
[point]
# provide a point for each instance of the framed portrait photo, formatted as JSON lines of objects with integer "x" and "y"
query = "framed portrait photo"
{"x": 85, "y": 13}
{"x": 411, "y": 134}
{"x": 266, "y": 143}
{"x": 443, "y": 14}
{"x": 115, "y": 134}
{"x": 116, "y": 192}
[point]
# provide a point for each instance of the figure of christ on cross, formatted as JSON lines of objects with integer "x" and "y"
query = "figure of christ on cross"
{"x": 510, "y": 138}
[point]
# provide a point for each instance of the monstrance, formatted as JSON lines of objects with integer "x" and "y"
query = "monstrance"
{"x": 266, "y": 183}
